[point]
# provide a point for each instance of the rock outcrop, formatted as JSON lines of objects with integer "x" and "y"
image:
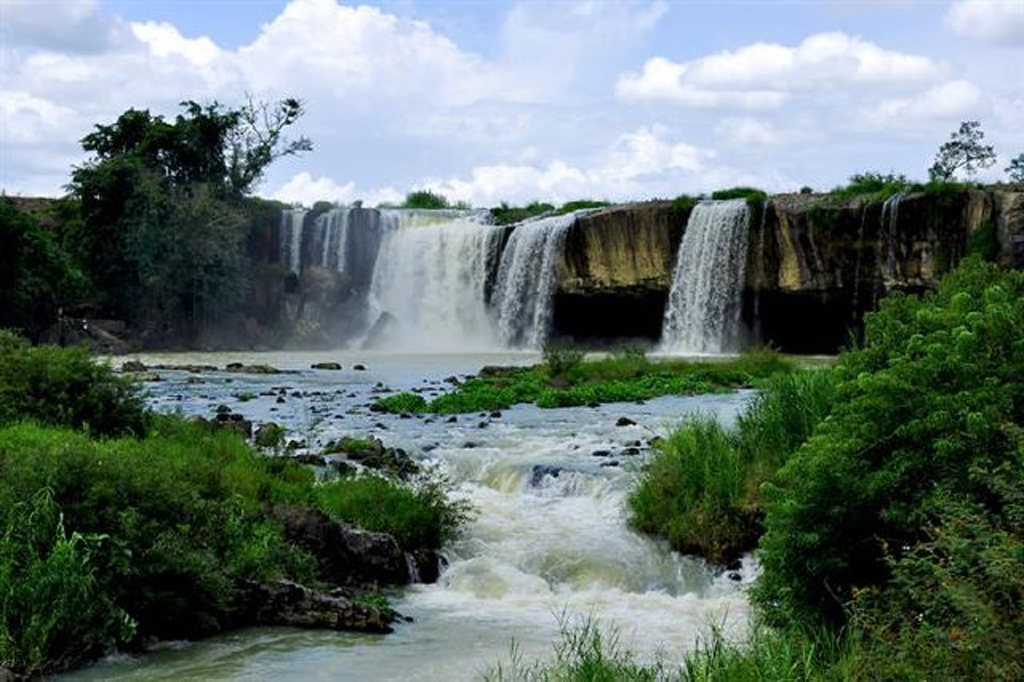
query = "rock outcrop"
{"x": 288, "y": 604}
{"x": 345, "y": 555}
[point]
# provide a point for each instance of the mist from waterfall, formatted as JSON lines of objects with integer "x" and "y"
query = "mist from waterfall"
{"x": 705, "y": 301}
{"x": 524, "y": 293}
{"x": 431, "y": 277}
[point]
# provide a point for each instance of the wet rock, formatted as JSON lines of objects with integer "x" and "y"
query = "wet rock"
{"x": 496, "y": 414}
{"x": 734, "y": 565}
{"x": 283, "y": 603}
{"x": 296, "y": 394}
{"x": 452, "y": 419}
{"x": 194, "y": 380}
{"x": 453, "y": 380}
{"x": 312, "y": 460}
{"x": 593, "y": 405}
{"x": 631, "y": 452}
{"x": 326, "y": 365}
{"x": 280, "y": 399}
{"x": 241, "y": 368}
{"x": 601, "y": 453}
{"x": 612, "y": 463}
{"x": 469, "y": 445}
{"x": 625, "y": 421}
{"x": 541, "y": 470}
{"x": 380, "y": 426}
{"x": 735, "y": 577}
{"x": 359, "y": 368}
{"x": 268, "y": 435}
{"x": 344, "y": 555}
{"x": 483, "y": 425}
{"x": 428, "y": 564}
{"x": 132, "y": 366}
{"x": 405, "y": 415}
{"x": 223, "y": 409}
{"x": 234, "y": 422}
{"x": 634, "y": 444}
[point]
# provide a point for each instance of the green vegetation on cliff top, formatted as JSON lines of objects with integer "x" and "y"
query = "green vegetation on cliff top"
{"x": 566, "y": 380}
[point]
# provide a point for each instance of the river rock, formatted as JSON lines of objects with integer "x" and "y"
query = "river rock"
{"x": 131, "y": 366}
{"x": 268, "y": 435}
{"x": 625, "y": 421}
{"x": 344, "y": 555}
{"x": 326, "y": 365}
{"x": 236, "y": 423}
{"x": 288, "y": 604}
{"x": 311, "y": 460}
{"x": 239, "y": 368}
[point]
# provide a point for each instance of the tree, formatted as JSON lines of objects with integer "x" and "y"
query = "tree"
{"x": 163, "y": 224}
{"x": 965, "y": 151}
{"x": 1016, "y": 169}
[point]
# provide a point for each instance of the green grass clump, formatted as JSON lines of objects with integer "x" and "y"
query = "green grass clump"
{"x": 580, "y": 204}
{"x": 701, "y": 490}
{"x": 510, "y": 215}
{"x": 567, "y": 380}
{"x": 65, "y": 387}
{"x": 401, "y": 402}
{"x": 351, "y": 444}
{"x": 751, "y": 194}
{"x": 418, "y": 517}
{"x": 692, "y": 492}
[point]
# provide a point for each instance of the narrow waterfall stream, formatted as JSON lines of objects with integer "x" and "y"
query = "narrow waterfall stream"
{"x": 291, "y": 238}
{"x": 705, "y": 301}
{"x": 549, "y": 536}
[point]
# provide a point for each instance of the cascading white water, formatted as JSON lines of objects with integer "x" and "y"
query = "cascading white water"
{"x": 291, "y": 238}
{"x": 333, "y": 227}
{"x": 888, "y": 260}
{"x": 526, "y": 283}
{"x": 430, "y": 276}
{"x": 705, "y": 301}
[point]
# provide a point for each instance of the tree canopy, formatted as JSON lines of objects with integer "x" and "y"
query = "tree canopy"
{"x": 964, "y": 151}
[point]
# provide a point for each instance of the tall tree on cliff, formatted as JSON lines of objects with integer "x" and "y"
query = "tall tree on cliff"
{"x": 163, "y": 223}
{"x": 963, "y": 151}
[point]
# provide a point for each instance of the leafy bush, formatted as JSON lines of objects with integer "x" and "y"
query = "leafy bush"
{"x": 877, "y": 186}
{"x": 751, "y": 194}
{"x": 510, "y": 215}
{"x": 580, "y": 204}
{"x": 923, "y": 413}
{"x": 37, "y": 277}
{"x": 984, "y": 242}
{"x": 40, "y": 564}
{"x": 65, "y": 387}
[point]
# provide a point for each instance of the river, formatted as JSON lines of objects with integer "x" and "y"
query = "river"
{"x": 549, "y": 539}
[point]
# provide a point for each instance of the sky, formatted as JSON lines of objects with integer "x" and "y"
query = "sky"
{"x": 517, "y": 101}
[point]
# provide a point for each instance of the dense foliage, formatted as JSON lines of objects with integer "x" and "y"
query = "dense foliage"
{"x": 163, "y": 228}
{"x": 503, "y": 214}
{"x": 65, "y": 387}
{"x": 37, "y": 277}
{"x": 568, "y": 381}
{"x": 425, "y": 199}
{"x": 701, "y": 490}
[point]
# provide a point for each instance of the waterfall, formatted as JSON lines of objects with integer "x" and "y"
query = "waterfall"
{"x": 705, "y": 302}
{"x": 888, "y": 258}
{"x": 525, "y": 288}
{"x": 430, "y": 276}
{"x": 291, "y": 238}
{"x": 333, "y": 227}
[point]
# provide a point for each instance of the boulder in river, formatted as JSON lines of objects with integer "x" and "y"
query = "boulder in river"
{"x": 131, "y": 366}
{"x": 344, "y": 555}
{"x": 326, "y": 365}
{"x": 625, "y": 421}
{"x": 289, "y": 604}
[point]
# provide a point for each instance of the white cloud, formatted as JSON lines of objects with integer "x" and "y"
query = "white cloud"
{"x": 766, "y": 75}
{"x": 164, "y": 40}
{"x": 304, "y": 189}
{"x": 70, "y": 25}
{"x": 949, "y": 101}
{"x": 748, "y": 132}
{"x": 992, "y": 21}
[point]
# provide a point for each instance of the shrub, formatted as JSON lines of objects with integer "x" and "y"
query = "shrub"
{"x": 984, "y": 242}
{"x": 929, "y": 405}
{"x": 751, "y": 194}
{"x": 878, "y": 186}
{"x": 509, "y": 215}
{"x": 425, "y": 199}
{"x": 65, "y": 387}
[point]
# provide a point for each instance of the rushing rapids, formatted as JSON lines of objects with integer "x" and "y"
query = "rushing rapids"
{"x": 549, "y": 535}
{"x": 705, "y": 301}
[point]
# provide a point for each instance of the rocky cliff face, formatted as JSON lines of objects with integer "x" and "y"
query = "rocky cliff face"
{"x": 816, "y": 264}
{"x": 616, "y": 270}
